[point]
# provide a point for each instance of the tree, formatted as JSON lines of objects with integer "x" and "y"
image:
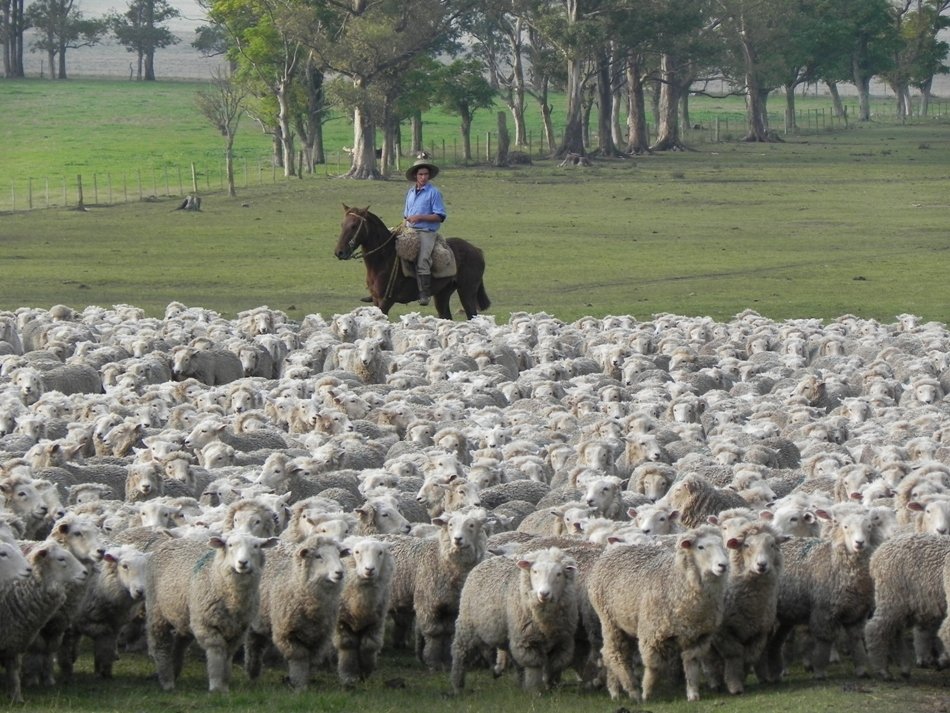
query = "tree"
{"x": 462, "y": 90}
{"x": 222, "y": 103}
{"x": 12, "y": 25}
{"x": 60, "y": 26}
{"x": 139, "y": 29}
{"x": 369, "y": 43}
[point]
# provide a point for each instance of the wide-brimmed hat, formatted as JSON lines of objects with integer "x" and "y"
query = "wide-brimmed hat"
{"x": 421, "y": 163}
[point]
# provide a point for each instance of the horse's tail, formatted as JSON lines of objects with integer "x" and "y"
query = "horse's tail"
{"x": 482, "y": 298}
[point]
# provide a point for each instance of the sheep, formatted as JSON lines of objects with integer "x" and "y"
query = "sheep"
{"x": 652, "y": 480}
{"x": 908, "y": 591}
{"x": 696, "y": 499}
{"x": 428, "y": 581}
{"x": 526, "y": 607}
{"x": 603, "y": 497}
{"x": 654, "y": 597}
{"x": 118, "y": 586}
{"x": 380, "y": 515}
{"x": 364, "y": 603}
{"x": 24, "y": 501}
{"x": 755, "y": 565}
{"x": 209, "y": 366}
{"x": 27, "y": 604}
{"x": 299, "y": 602}
{"x": 67, "y": 379}
{"x": 211, "y": 595}
{"x": 826, "y": 584}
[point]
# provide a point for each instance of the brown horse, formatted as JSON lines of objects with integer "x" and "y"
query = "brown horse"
{"x": 384, "y": 278}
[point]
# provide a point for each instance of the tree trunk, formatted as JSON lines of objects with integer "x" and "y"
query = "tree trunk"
{"x": 62, "y": 60}
{"x": 466, "y": 127}
{"x": 516, "y": 101}
{"x": 13, "y": 26}
{"x": 573, "y": 140}
{"x": 229, "y": 165}
{"x": 925, "y": 93}
{"x": 545, "y": 109}
{"x": 415, "y": 130}
{"x": 150, "y": 66}
{"x": 791, "y": 124}
{"x": 283, "y": 122}
{"x": 837, "y": 105}
{"x": 637, "y": 140}
{"x": 364, "y": 147}
{"x": 684, "y": 109}
{"x": 605, "y": 96}
{"x": 504, "y": 141}
{"x": 862, "y": 82}
{"x": 390, "y": 124}
{"x": 668, "y": 132}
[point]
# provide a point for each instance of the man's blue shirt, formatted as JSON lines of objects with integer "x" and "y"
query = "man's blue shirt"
{"x": 423, "y": 201}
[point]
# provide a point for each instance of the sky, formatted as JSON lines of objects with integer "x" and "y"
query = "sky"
{"x": 191, "y": 13}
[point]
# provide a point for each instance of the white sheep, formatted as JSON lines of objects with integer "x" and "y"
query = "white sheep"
{"x": 210, "y": 595}
{"x": 209, "y": 366}
{"x": 300, "y": 600}
{"x": 428, "y": 582}
{"x": 364, "y": 604}
{"x": 652, "y": 597}
{"x": 526, "y": 607}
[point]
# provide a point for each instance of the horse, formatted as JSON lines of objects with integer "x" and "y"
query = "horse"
{"x": 384, "y": 277}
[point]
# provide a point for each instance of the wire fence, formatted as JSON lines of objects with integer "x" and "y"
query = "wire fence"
{"x": 148, "y": 184}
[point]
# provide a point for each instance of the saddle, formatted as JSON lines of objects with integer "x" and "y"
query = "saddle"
{"x": 407, "y": 249}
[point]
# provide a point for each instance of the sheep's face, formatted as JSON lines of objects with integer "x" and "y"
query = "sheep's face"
{"x": 602, "y": 493}
{"x": 548, "y": 574}
{"x": 707, "y": 552}
{"x": 462, "y": 530}
{"x": 759, "y": 551}
{"x": 371, "y": 558}
{"x": 157, "y": 514}
{"x": 927, "y": 392}
{"x": 320, "y": 559}
{"x": 934, "y": 517}
{"x": 656, "y": 520}
{"x": 241, "y": 552}
{"x": 80, "y": 536}
{"x": 856, "y": 531}
{"x": 655, "y": 485}
{"x": 257, "y": 520}
{"x": 13, "y": 565}
{"x": 23, "y": 498}
{"x": 55, "y": 565}
{"x": 385, "y": 516}
{"x": 203, "y": 433}
{"x": 131, "y": 568}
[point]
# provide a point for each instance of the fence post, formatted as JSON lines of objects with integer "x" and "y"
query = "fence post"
{"x": 95, "y": 189}
{"x": 65, "y": 200}
{"x": 488, "y": 146}
{"x": 181, "y": 187}
{"x": 194, "y": 179}
{"x": 109, "y": 181}
{"x": 80, "y": 204}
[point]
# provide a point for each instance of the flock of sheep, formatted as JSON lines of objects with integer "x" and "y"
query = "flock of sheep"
{"x": 613, "y": 497}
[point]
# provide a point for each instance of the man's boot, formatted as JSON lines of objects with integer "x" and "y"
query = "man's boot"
{"x": 368, "y": 298}
{"x": 425, "y": 285}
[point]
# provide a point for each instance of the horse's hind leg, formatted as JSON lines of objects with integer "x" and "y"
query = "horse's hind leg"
{"x": 469, "y": 303}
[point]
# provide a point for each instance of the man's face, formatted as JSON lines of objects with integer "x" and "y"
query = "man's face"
{"x": 422, "y": 177}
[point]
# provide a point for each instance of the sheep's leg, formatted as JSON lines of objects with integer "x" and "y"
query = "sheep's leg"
{"x": 104, "y": 654}
{"x": 299, "y": 672}
{"x": 692, "y": 670}
{"x": 178, "y": 654}
{"x": 219, "y": 667}
{"x": 162, "y": 644}
{"x": 617, "y": 652}
{"x": 855, "y": 636}
{"x": 368, "y": 654}
{"x": 533, "y": 680}
{"x": 13, "y": 663}
{"x": 254, "y": 645}
{"x": 461, "y": 645}
{"x": 820, "y": 656}
{"x": 348, "y": 665}
{"x": 734, "y": 674}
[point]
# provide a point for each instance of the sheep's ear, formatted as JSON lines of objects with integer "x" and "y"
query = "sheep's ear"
{"x": 686, "y": 543}
{"x": 270, "y": 542}
{"x": 856, "y": 496}
{"x": 303, "y": 553}
{"x": 712, "y": 520}
{"x": 345, "y": 551}
{"x": 632, "y": 513}
{"x": 613, "y": 540}
{"x": 824, "y": 515}
{"x": 440, "y": 521}
{"x": 42, "y": 552}
{"x": 734, "y": 543}
{"x": 217, "y": 543}
{"x": 63, "y": 528}
{"x": 524, "y": 564}
{"x": 808, "y": 517}
{"x": 914, "y": 505}
{"x": 766, "y": 515}
{"x": 109, "y": 557}
{"x": 674, "y": 515}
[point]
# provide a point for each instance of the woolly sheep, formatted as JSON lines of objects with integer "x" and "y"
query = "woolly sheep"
{"x": 755, "y": 565}
{"x": 826, "y": 584}
{"x": 27, "y": 604}
{"x": 428, "y": 581}
{"x": 380, "y": 515}
{"x": 527, "y": 608}
{"x": 653, "y": 597}
{"x": 364, "y": 603}
{"x": 696, "y": 499}
{"x": 117, "y": 587}
{"x": 907, "y": 571}
{"x": 209, "y": 366}
{"x": 210, "y": 595}
{"x": 299, "y": 603}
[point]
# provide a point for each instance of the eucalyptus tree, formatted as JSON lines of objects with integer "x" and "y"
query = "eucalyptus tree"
{"x": 13, "y": 24}
{"x": 268, "y": 56}
{"x": 461, "y": 89}
{"x": 60, "y": 25}
{"x": 370, "y": 43}
{"x": 919, "y": 54}
{"x": 140, "y": 30}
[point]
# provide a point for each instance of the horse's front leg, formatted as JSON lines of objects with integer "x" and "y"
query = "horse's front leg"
{"x": 442, "y": 303}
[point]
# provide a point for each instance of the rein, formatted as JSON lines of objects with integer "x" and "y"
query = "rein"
{"x": 366, "y": 253}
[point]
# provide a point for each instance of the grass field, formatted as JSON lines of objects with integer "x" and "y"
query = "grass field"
{"x": 840, "y": 222}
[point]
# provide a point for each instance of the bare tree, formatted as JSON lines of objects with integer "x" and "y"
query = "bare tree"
{"x": 222, "y": 103}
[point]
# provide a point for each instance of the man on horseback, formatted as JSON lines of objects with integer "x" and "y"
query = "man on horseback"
{"x": 424, "y": 213}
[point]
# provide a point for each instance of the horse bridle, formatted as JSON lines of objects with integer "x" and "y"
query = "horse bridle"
{"x": 352, "y": 243}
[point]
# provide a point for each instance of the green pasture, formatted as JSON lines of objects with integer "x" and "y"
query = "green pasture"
{"x": 854, "y": 221}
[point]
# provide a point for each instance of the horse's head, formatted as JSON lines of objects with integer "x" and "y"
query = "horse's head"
{"x": 353, "y": 231}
